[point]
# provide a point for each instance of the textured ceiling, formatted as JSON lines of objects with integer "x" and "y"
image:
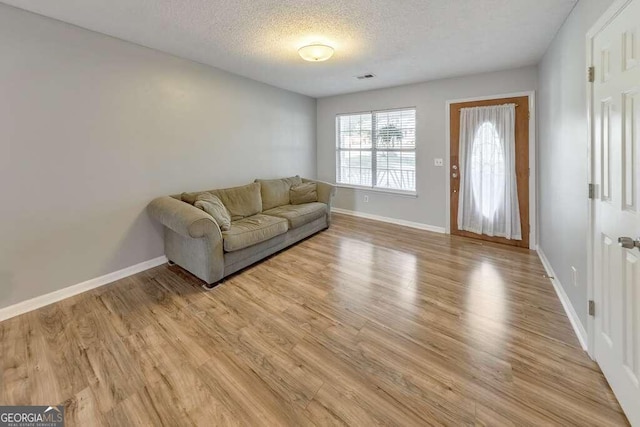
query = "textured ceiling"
{"x": 400, "y": 41}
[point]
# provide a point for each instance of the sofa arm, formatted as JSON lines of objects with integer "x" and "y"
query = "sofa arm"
{"x": 326, "y": 191}
{"x": 183, "y": 218}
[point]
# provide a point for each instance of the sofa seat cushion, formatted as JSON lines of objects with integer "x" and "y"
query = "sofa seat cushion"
{"x": 298, "y": 215}
{"x": 251, "y": 230}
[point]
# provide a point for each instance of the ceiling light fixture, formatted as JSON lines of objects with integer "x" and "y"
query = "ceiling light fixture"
{"x": 316, "y": 52}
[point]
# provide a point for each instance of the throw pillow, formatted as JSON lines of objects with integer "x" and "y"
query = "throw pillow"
{"x": 304, "y": 193}
{"x": 214, "y": 207}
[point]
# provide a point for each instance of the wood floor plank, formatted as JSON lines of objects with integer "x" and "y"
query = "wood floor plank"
{"x": 246, "y": 394}
{"x": 14, "y": 348}
{"x": 44, "y": 387}
{"x": 82, "y": 410}
{"x": 67, "y": 359}
{"x": 366, "y": 323}
{"x": 351, "y": 383}
{"x": 139, "y": 409}
{"x": 291, "y": 381}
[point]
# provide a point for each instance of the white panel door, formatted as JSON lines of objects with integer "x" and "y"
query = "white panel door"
{"x": 616, "y": 105}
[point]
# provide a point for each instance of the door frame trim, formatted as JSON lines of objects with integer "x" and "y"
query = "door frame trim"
{"x": 533, "y": 196}
{"x": 614, "y": 10}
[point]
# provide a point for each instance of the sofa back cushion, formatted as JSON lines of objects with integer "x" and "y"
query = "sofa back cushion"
{"x": 304, "y": 193}
{"x": 275, "y": 192}
{"x": 241, "y": 202}
{"x": 190, "y": 197}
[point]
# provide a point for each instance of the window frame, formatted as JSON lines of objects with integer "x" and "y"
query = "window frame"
{"x": 374, "y": 150}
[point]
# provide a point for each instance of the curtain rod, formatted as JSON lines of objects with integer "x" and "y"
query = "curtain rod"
{"x": 496, "y": 105}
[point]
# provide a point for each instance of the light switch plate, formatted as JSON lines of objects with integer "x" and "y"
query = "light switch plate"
{"x": 438, "y": 162}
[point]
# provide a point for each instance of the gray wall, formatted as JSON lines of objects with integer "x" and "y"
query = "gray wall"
{"x": 92, "y": 128}
{"x": 430, "y": 99}
{"x": 563, "y": 150}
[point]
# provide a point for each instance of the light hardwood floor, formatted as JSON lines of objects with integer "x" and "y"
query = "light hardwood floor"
{"x": 366, "y": 323}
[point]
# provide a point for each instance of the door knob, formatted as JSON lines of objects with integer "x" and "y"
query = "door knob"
{"x": 628, "y": 242}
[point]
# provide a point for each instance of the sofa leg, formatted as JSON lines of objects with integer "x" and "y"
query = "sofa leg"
{"x": 208, "y": 287}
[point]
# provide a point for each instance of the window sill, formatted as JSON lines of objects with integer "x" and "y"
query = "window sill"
{"x": 379, "y": 190}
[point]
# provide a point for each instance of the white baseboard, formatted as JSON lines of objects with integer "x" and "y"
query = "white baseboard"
{"x": 411, "y": 224}
{"x": 579, "y": 329}
{"x": 55, "y": 296}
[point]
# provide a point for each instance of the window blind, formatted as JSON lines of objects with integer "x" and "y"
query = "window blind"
{"x": 377, "y": 149}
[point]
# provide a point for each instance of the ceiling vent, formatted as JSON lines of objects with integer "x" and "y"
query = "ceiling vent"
{"x": 365, "y": 76}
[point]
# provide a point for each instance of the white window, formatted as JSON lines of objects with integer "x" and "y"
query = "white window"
{"x": 377, "y": 149}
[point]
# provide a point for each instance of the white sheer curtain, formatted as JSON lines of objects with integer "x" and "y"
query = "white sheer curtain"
{"x": 488, "y": 199}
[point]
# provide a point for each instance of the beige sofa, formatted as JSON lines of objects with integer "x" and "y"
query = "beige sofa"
{"x": 263, "y": 221}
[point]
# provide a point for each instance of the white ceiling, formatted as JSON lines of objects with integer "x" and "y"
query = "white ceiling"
{"x": 400, "y": 41}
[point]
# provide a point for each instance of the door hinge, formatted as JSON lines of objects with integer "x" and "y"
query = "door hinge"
{"x": 592, "y": 308}
{"x": 591, "y": 74}
{"x": 592, "y": 191}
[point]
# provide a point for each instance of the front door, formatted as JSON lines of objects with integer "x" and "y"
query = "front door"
{"x": 616, "y": 161}
{"x": 521, "y": 138}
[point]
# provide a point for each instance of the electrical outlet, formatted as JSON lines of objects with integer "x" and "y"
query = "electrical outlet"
{"x": 574, "y": 276}
{"x": 438, "y": 162}
{"x": 366, "y": 199}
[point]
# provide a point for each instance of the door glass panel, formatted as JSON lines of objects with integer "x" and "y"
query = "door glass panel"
{"x": 487, "y": 169}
